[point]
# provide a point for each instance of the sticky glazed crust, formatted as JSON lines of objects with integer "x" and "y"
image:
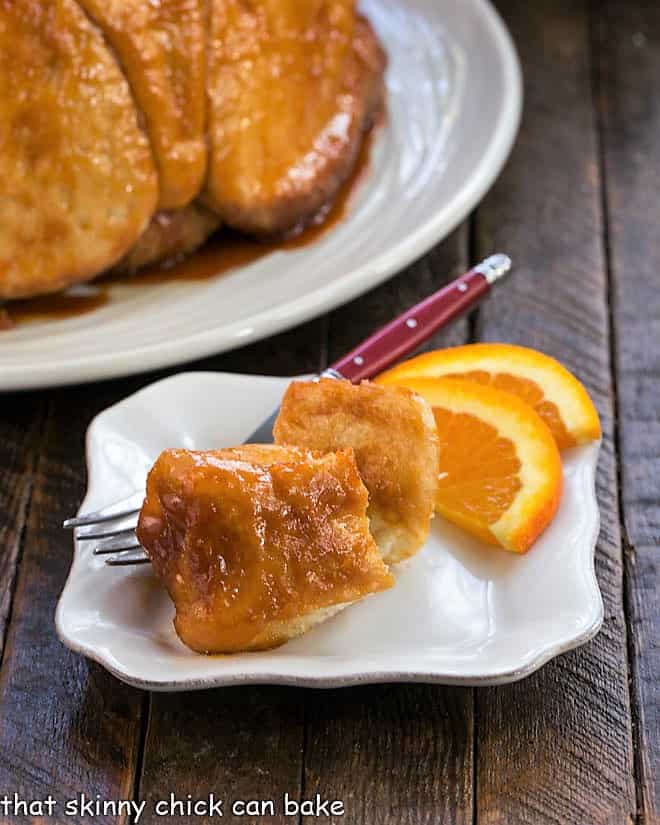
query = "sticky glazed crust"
{"x": 79, "y": 183}
{"x": 169, "y": 237}
{"x": 161, "y": 49}
{"x": 393, "y": 434}
{"x": 285, "y": 135}
{"x": 258, "y": 543}
{"x": 128, "y": 111}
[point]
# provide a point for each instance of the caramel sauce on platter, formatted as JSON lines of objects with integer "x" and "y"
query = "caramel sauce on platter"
{"x": 225, "y": 251}
{"x": 55, "y": 307}
{"x": 228, "y": 250}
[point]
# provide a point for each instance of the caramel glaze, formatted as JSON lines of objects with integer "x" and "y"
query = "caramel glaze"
{"x": 224, "y": 252}
{"x": 228, "y": 250}
{"x": 291, "y": 86}
{"x": 78, "y": 179}
{"x": 59, "y": 306}
{"x": 252, "y": 542}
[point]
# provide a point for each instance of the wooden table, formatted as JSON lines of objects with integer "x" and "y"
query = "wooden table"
{"x": 578, "y": 208}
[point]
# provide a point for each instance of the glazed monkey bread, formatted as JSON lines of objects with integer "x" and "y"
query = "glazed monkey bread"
{"x": 122, "y": 117}
{"x": 79, "y": 183}
{"x": 394, "y": 436}
{"x": 258, "y": 543}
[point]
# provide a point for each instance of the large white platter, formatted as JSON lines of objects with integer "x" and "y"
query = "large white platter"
{"x": 460, "y": 612}
{"x": 454, "y": 107}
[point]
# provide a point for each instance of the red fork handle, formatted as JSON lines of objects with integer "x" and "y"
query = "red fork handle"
{"x": 418, "y": 324}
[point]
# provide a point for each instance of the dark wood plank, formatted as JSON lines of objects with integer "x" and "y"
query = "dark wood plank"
{"x": 558, "y": 746}
{"x": 66, "y": 726}
{"x": 627, "y": 44}
{"x": 394, "y": 753}
{"x": 643, "y": 586}
{"x": 239, "y": 743}
{"x": 20, "y": 420}
{"x": 628, "y": 36}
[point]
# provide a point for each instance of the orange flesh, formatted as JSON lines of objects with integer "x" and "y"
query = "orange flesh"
{"x": 528, "y": 391}
{"x": 478, "y": 472}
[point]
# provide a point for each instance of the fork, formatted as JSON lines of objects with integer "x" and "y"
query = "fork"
{"x": 113, "y": 527}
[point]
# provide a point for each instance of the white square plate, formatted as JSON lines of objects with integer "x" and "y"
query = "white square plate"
{"x": 460, "y": 612}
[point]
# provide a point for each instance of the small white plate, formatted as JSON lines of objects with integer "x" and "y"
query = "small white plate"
{"x": 460, "y": 612}
{"x": 454, "y": 100}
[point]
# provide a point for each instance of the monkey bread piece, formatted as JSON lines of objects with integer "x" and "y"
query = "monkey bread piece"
{"x": 292, "y": 87}
{"x": 116, "y": 111}
{"x": 257, "y": 544}
{"x": 160, "y": 46}
{"x": 395, "y": 440}
{"x": 169, "y": 236}
{"x": 78, "y": 179}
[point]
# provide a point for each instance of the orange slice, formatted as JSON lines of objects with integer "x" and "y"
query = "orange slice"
{"x": 543, "y": 383}
{"x": 500, "y": 469}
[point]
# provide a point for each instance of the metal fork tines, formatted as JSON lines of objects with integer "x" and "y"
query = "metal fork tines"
{"x": 118, "y": 509}
{"x": 113, "y": 529}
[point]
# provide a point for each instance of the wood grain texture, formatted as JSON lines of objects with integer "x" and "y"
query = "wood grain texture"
{"x": 394, "y": 754}
{"x": 627, "y": 45}
{"x": 643, "y": 583}
{"x": 557, "y": 747}
{"x": 20, "y": 421}
{"x": 627, "y": 41}
{"x": 240, "y": 743}
{"x": 66, "y": 726}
